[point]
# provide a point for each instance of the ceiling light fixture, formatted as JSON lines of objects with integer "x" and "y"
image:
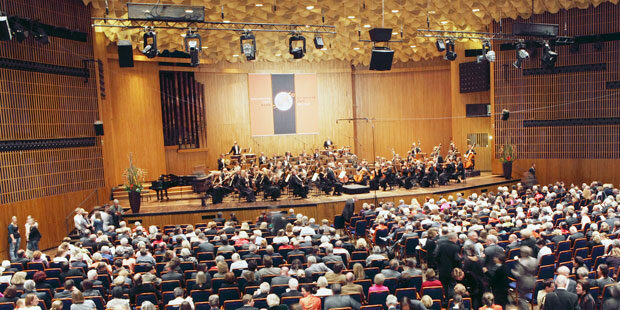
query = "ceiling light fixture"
{"x": 248, "y": 45}
{"x": 318, "y": 42}
{"x": 394, "y": 11}
{"x": 310, "y": 7}
{"x": 351, "y": 17}
{"x": 150, "y": 43}
{"x": 475, "y": 10}
{"x": 412, "y": 46}
{"x": 441, "y": 46}
{"x": 549, "y": 56}
{"x": 487, "y": 53}
{"x": 259, "y": 4}
{"x": 443, "y": 22}
{"x": 192, "y": 42}
{"x": 450, "y": 53}
{"x": 367, "y": 26}
{"x": 299, "y": 51}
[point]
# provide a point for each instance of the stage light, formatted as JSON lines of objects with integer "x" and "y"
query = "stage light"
{"x": 522, "y": 54}
{"x": 549, "y": 56}
{"x": 19, "y": 31}
{"x": 39, "y": 34}
{"x": 298, "y": 52}
{"x": 450, "y": 53}
{"x": 318, "y": 42}
{"x": 193, "y": 46}
{"x": 150, "y": 43}
{"x": 441, "y": 46}
{"x": 487, "y": 53}
{"x": 248, "y": 45}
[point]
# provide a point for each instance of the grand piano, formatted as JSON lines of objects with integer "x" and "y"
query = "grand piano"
{"x": 200, "y": 184}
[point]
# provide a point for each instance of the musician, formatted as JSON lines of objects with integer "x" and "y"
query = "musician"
{"x": 447, "y": 173}
{"x": 269, "y": 185}
{"x": 415, "y": 149}
{"x": 332, "y": 180}
{"x": 242, "y": 184}
{"x": 262, "y": 159}
{"x": 430, "y": 175}
{"x": 470, "y": 157}
{"x": 221, "y": 187}
{"x": 327, "y": 144}
{"x": 297, "y": 184}
{"x": 459, "y": 174}
{"x": 375, "y": 176}
{"x": 387, "y": 176}
{"x": 221, "y": 162}
{"x": 532, "y": 170}
{"x": 235, "y": 149}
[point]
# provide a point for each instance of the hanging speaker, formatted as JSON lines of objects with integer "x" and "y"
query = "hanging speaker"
{"x": 505, "y": 115}
{"x": 381, "y": 59}
{"x": 125, "y": 54}
{"x": 98, "y": 128}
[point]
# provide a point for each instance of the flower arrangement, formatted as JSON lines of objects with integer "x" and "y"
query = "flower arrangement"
{"x": 507, "y": 153}
{"x": 134, "y": 177}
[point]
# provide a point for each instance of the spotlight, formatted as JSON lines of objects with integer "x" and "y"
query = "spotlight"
{"x": 19, "y": 31}
{"x": 39, "y": 34}
{"x": 248, "y": 45}
{"x": 150, "y": 43}
{"x": 298, "y": 52}
{"x": 450, "y": 53}
{"x": 549, "y": 56}
{"x": 193, "y": 45}
{"x": 318, "y": 42}
{"x": 487, "y": 53}
{"x": 441, "y": 46}
{"x": 522, "y": 54}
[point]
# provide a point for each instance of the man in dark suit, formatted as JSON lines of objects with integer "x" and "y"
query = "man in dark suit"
{"x": 279, "y": 222}
{"x": 349, "y": 209}
{"x": 172, "y": 274}
{"x": 298, "y": 186}
{"x": 328, "y": 143}
{"x": 206, "y": 246}
{"x": 293, "y": 286}
{"x": 66, "y": 293}
{"x": 66, "y": 272}
{"x": 340, "y": 301}
{"x": 248, "y": 303}
{"x": 235, "y": 149}
{"x": 561, "y": 298}
{"x": 332, "y": 181}
{"x": 447, "y": 258}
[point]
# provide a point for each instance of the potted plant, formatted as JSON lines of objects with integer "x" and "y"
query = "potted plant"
{"x": 134, "y": 177}
{"x": 507, "y": 156}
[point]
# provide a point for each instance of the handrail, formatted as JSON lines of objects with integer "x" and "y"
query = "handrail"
{"x": 68, "y": 220}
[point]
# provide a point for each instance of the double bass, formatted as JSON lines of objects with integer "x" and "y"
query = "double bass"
{"x": 470, "y": 158}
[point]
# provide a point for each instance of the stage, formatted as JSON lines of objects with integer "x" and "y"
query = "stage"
{"x": 184, "y": 207}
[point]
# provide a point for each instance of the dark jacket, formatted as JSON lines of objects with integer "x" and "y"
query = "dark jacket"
{"x": 561, "y": 299}
{"x": 340, "y": 301}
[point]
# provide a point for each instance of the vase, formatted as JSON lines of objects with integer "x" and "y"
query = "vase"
{"x": 134, "y": 201}
{"x": 507, "y": 170}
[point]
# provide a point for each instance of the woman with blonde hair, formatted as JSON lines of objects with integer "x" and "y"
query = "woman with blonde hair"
{"x": 222, "y": 269}
{"x": 323, "y": 290}
{"x": 361, "y": 245}
{"x": 613, "y": 259}
{"x": 427, "y": 301}
{"x": 358, "y": 271}
{"x": 56, "y": 305}
{"x": 18, "y": 280}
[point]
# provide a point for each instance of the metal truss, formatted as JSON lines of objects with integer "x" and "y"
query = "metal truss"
{"x": 212, "y": 26}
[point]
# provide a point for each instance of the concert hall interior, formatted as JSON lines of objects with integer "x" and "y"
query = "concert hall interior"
{"x": 179, "y": 109}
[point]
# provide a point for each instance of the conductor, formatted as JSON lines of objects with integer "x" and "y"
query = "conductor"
{"x": 235, "y": 149}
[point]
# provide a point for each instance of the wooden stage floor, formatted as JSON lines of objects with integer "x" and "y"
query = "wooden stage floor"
{"x": 190, "y": 202}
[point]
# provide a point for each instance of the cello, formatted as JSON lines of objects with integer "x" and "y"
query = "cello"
{"x": 470, "y": 158}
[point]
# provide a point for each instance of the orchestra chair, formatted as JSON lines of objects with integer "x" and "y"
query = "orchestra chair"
{"x": 410, "y": 292}
{"x": 233, "y": 304}
{"x": 166, "y": 297}
{"x": 7, "y": 306}
{"x": 377, "y": 298}
{"x": 170, "y": 285}
{"x": 203, "y": 305}
{"x": 228, "y": 293}
{"x": 146, "y": 297}
{"x": 290, "y": 300}
{"x": 435, "y": 292}
{"x": 99, "y": 302}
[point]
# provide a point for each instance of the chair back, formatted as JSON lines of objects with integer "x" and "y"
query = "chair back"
{"x": 290, "y": 300}
{"x": 146, "y": 297}
{"x": 233, "y": 304}
{"x": 200, "y": 295}
{"x": 435, "y": 292}
{"x": 377, "y": 298}
{"x": 228, "y": 293}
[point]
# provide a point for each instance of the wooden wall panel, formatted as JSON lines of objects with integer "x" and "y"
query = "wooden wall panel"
{"x": 569, "y": 153}
{"x": 227, "y": 108}
{"x": 462, "y": 125}
{"x": 408, "y": 104}
{"x": 132, "y": 121}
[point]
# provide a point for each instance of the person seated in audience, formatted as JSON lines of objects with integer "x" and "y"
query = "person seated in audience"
{"x": 613, "y": 259}
{"x": 314, "y": 267}
{"x": 431, "y": 279}
{"x": 79, "y": 303}
{"x": 377, "y": 255}
{"x": 340, "y": 301}
{"x": 248, "y": 303}
{"x": 9, "y": 294}
{"x": 179, "y": 298}
{"x": 66, "y": 292}
{"x": 488, "y": 301}
{"x": 323, "y": 290}
{"x": 143, "y": 284}
{"x": 392, "y": 270}
{"x": 118, "y": 299}
{"x": 586, "y": 301}
{"x": 378, "y": 284}
{"x": 602, "y": 277}
{"x": 88, "y": 290}
{"x": 31, "y": 302}
{"x": 273, "y": 301}
{"x": 336, "y": 275}
{"x": 263, "y": 290}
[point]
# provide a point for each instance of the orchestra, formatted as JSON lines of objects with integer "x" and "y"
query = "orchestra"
{"x": 330, "y": 169}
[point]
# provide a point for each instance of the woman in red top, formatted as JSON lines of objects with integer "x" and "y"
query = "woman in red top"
{"x": 378, "y": 286}
{"x": 309, "y": 301}
{"x": 243, "y": 238}
{"x": 431, "y": 280}
{"x": 488, "y": 301}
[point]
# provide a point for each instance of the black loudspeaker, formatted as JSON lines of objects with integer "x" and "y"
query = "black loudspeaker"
{"x": 381, "y": 59}
{"x": 5, "y": 29}
{"x": 380, "y": 34}
{"x": 98, "y": 128}
{"x": 505, "y": 115}
{"x": 125, "y": 54}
